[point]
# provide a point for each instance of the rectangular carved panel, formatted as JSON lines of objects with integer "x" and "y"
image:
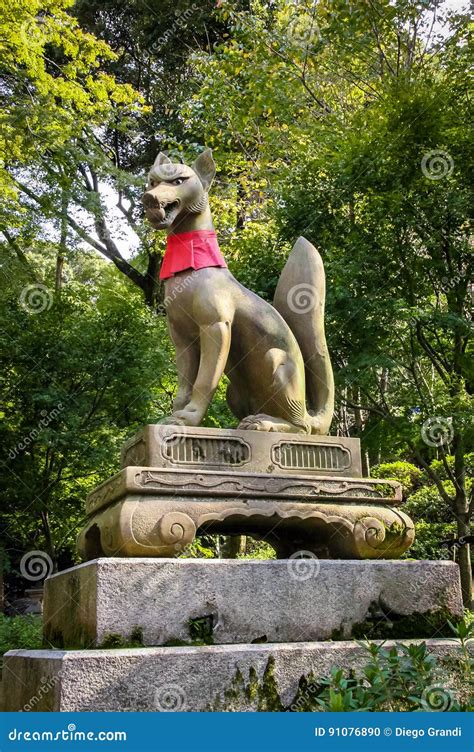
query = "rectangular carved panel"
{"x": 197, "y": 450}
{"x": 299, "y": 456}
{"x": 177, "y": 447}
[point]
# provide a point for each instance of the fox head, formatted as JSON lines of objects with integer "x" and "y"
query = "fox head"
{"x": 175, "y": 190}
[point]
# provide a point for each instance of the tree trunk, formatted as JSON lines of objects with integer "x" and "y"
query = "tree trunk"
{"x": 232, "y": 547}
{"x": 50, "y": 547}
{"x": 464, "y": 551}
{"x": 153, "y": 289}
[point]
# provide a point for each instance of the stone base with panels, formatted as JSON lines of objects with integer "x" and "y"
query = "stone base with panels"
{"x": 163, "y": 601}
{"x": 295, "y": 492}
{"x": 218, "y": 677}
{"x": 231, "y": 449}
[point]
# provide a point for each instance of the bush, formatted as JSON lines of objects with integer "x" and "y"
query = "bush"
{"x": 399, "y": 678}
{"x": 404, "y": 472}
{"x": 25, "y": 632}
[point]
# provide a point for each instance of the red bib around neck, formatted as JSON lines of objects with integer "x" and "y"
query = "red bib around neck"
{"x": 191, "y": 250}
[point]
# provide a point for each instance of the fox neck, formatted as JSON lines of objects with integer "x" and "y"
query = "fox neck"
{"x": 191, "y": 222}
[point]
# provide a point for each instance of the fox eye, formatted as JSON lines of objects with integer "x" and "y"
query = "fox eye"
{"x": 152, "y": 183}
{"x": 178, "y": 181}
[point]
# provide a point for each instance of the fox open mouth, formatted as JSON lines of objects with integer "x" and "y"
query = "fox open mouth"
{"x": 163, "y": 215}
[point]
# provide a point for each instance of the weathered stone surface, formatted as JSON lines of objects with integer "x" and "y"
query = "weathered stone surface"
{"x": 152, "y": 481}
{"x": 181, "y": 447}
{"x": 233, "y": 601}
{"x": 220, "y": 677}
{"x": 296, "y": 492}
{"x": 163, "y": 526}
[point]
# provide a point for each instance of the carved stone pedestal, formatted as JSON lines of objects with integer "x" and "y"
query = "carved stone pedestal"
{"x": 297, "y": 493}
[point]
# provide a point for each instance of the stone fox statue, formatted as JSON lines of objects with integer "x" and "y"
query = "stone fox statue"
{"x": 276, "y": 357}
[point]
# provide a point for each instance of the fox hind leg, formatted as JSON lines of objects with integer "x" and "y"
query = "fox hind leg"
{"x": 285, "y": 399}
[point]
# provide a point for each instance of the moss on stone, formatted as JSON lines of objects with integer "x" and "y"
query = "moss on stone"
{"x": 414, "y": 626}
{"x": 268, "y": 697}
{"x": 114, "y": 641}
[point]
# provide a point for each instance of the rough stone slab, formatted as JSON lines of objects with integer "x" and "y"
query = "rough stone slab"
{"x": 233, "y": 449}
{"x": 241, "y": 601}
{"x": 184, "y": 678}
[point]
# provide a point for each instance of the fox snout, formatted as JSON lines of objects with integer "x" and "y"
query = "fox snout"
{"x": 151, "y": 201}
{"x": 160, "y": 207}
{"x": 155, "y": 199}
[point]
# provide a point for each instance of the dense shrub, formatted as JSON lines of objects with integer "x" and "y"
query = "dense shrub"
{"x": 20, "y": 632}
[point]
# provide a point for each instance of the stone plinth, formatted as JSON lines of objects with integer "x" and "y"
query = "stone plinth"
{"x": 229, "y": 450}
{"x": 296, "y": 492}
{"x": 221, "y": 677}
{"x": 160, "y": 601}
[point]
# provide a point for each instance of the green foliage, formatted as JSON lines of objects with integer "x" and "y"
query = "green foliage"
{"x": 83, "y": 374}
{"x": 321, "y": 117}
{"x": 398, "y": 678}
{"x": 20, "y": 632}
{"x": 255, "y": 549}
{"x": 55, "y": 84}
{"x": 404, "y": 472}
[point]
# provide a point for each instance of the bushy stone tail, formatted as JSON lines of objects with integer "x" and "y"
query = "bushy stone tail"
{"x": 299, "y": 298}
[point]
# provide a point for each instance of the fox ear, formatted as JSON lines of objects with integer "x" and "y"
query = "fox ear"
{"x": 205, "y": 168}
{"x": 161, "y": 159}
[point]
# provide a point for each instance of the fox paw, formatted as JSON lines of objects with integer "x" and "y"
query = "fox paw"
{"x": 189, "y": 416}
{"x": 256, "y": 423}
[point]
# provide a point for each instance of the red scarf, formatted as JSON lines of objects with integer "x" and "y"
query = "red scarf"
{"x": 191, "y": 250}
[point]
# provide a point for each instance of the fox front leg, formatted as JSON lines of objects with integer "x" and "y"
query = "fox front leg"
{"x": 187, "y": 364}
{"x": 214, "y": 344}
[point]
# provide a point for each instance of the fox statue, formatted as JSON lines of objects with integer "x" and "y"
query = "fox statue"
{"x": 275, "y": 357}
